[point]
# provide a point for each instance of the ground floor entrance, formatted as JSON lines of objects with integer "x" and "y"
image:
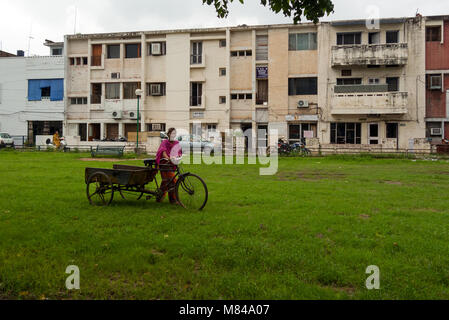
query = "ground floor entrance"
{"x": 43, "y": 128}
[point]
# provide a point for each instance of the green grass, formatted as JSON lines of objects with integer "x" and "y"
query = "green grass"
{"x": 308, "y": 232}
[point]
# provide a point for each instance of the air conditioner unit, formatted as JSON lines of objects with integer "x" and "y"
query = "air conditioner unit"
{"x": 133, "y": 115}
{"x": 435, "y": 82}
{"x": 117, "y": 114}
{"x": 303, "y": 104}
{"x": 156, "y": 89}
{"x": 156, "y": 49}
{"x": 115, "y": 75}
{"x": 435, "y": 131}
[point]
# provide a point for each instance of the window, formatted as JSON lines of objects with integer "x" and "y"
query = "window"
{"x": 222, "y": 43}
{"x": 211, "y": 128}
{"x": 196, "y": 93}
{"x": 114, "y": 51}
{"x": 302, "y": 41}
{"x": 296, "y": 131}
{"x": 374, "y": 38}
{"x": 222, "y": 72}
{"x": 157, "y": 48}
{"x": 349, "y": 38}
{"x": 78, "y": 61}
{"x": 392, "y": 36}
{"x": 96, "y": 93}
{"x": 52, "y": 89}
{"x": 158, "y": 127}
{"x": 348, "y": 81}
{"x": 85, "y": 61}
{"x": 346, "y": 73}
{"x": 262, "y": 47}
{"x": 241, "y": 96}
{"x": 57, "y": 52}
{"x": 433, "y": 33}
{"x": 434, "y": 82}
{"x": 156, "y": 89}
{"x": 129, "y": 90}
{"x": 346, "y": 133}
{"x": 78, "y": 100}
{"x": 112, "y": 90}
{"x": 392, "y": 130}
{"x": 302, "y": 86}
{"x": 247, "y": 53}
{"x": 133, "y": 51}
{"x": 45, "y": 92}
{"x": 72, "y": 61}
{"x": 222, "y": 100}
{"x": 196, "y": 53}
{"x": 393, "y": 84}
{"x": 373, "y": 81}
{"x": 97, "y": 51}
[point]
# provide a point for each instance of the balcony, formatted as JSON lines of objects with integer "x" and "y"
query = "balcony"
{"x": 365, "y": 103}
{"x": 372, "y": 54}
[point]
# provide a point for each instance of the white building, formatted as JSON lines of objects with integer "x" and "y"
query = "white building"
{"x": 32, "y": 94}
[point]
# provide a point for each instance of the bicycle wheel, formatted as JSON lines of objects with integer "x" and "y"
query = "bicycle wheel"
{"x": 99, "y": 189}
{"x": 191, "y": 192}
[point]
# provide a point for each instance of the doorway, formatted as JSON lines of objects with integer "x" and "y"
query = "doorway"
{"x": 393, "y": 132}
{"x": 373, "y": 133}
{"x": 262, "y": 136}
{"x": 247, "y": 131}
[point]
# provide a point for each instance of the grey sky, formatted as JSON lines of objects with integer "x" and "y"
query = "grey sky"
{"x": 50, "y": 19}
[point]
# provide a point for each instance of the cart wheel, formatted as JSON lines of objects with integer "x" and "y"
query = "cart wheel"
{"x": 130, "y": 194}
{"x": 99, "y": 190}
{"x": 191, "y": 192}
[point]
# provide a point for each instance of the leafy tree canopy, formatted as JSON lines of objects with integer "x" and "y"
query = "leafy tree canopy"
{"x": 312, "y": 10}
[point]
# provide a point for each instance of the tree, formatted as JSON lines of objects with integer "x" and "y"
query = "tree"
{"x": 311, "y": 9}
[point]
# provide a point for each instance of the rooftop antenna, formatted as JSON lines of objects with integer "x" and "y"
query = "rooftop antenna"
{"x": 74, "y": 26}
{"x": 30, "y": 37}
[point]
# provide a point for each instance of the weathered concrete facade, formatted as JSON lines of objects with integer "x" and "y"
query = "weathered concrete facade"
{"x": 334, "y": 83}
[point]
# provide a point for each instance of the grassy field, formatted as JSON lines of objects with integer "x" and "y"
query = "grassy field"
{"x": 308, "y": 232}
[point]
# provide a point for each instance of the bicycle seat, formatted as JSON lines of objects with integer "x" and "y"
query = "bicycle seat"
{"x": 149, "y": 162}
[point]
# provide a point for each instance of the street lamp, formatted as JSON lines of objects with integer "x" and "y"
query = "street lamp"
{"x": 139, "y": 93}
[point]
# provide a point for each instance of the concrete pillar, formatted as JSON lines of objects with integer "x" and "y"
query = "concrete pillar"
{"x": 102, "y": 131}
{"x": 120, "y": 129}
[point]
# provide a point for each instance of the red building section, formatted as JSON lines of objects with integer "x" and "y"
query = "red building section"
{"x": 437, "y": 83}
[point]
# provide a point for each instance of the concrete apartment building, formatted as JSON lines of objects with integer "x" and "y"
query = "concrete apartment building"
{"x": 338, "y": 84}
{"x": 32, "y": 94}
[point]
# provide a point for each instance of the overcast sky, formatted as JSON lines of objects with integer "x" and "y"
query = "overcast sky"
{"x": 50, "y": 19}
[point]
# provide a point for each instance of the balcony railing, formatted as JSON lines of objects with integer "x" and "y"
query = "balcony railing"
{"x": 372, "y": 54}
{"x": 369, "y": 103}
